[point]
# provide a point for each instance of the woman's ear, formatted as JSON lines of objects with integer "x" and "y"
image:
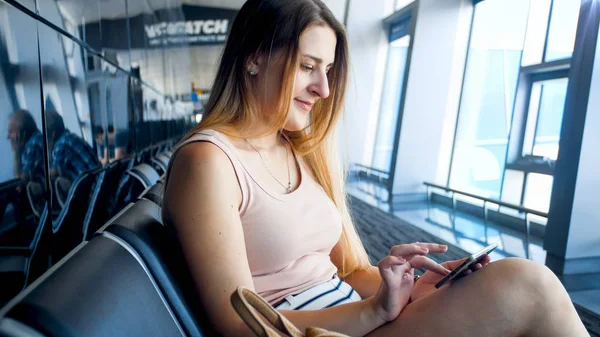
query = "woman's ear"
{"x": 254, "y": 63}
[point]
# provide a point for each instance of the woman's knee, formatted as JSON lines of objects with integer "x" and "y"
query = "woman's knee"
{"x": 532, "y": 280}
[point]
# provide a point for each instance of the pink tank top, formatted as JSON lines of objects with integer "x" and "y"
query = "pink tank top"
{"x": 288, "y": 236}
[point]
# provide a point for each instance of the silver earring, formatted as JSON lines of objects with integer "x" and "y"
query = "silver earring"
{"x": 252, "y": 72}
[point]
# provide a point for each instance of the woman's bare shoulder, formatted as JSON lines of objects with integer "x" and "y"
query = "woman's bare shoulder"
{"x": 202, "y": 170}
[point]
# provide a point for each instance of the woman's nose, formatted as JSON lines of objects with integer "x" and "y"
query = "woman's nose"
{"x": 321, "y": 86}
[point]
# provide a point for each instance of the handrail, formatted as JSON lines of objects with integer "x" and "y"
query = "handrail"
{"x": 493, "y": 201}
{"x": 372, "y": 169}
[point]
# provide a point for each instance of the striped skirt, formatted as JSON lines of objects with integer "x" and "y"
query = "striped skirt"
{"x": 324, "y": 295}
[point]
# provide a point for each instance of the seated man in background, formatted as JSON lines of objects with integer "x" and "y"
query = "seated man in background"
{"x": 118, "y": 144}
{"x": 121, "y": 144}
{"x": 27, "y": 144}
{"x": 70, "y": 154}
{"x": 102, "y": 151}
{"x": 28, "y": 147}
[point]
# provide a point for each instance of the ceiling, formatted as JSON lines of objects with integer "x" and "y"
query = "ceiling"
{"x": 79, "y": 11}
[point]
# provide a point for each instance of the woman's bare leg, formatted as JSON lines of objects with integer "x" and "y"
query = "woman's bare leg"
{"x": 511, "y": 297}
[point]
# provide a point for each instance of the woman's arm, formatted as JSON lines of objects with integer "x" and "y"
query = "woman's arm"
{"x": 201, "y": 202}
{"x": 365, "y": 282}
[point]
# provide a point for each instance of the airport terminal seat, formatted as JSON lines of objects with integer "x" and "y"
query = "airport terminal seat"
{"x": 69, "y": 225}
{"x": 130, "y": 279}
{"x": 101, "y": 289}
{"x": 145, "y": 174}
{"x": 141, "y": 227}
{"x": 154, "y": 193}
{"x": 161, "y": 162}
{"x": 100, "y": 201}
{"x": 20, "y": 265}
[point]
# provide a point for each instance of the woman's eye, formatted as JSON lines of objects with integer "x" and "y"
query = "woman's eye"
{"x": 306, "y": 67}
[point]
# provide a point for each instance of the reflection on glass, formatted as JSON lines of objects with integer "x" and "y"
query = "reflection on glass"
{"x": 538, "y": 191}
{"x": 488, "y": 94}
{"x": 113, "y": 11}
{"x": 94, "y": 113}
{"x": 563, "y": 27}
{"x": 390, "y": 104}
{"x": 544, "y": 119}
{"x": 22, "y": 173}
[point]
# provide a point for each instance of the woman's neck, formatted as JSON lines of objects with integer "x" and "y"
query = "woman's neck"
{"x": 267, "y": 142}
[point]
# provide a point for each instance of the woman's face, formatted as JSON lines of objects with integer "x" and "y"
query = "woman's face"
{"x": 316, "y": 54}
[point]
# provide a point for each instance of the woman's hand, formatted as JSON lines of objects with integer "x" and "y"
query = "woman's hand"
{"x": 396, "y": 272}
{"x": 427, "y": 282}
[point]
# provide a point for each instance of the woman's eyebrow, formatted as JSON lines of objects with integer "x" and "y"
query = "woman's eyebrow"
{"x": 316, "y": 59}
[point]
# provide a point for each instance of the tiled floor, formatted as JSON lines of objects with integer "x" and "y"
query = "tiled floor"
{"x": 470, "y": 233}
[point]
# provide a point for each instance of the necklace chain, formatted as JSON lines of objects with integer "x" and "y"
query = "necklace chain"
{"x": 289, "y": 184}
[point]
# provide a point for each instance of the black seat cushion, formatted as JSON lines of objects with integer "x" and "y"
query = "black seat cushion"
{"x": 141, "y": 227}
{"x": 100, "y": 290}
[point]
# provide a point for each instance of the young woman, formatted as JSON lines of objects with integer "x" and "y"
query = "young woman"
{"x": 255, "y": 194}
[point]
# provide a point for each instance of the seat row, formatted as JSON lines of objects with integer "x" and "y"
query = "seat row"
{"x": 129, "y": 279}
{"x": 87, "y": 204}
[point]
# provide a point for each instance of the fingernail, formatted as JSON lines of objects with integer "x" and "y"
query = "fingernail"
{"x": 442, "y": 246}
{"x": 425, "y": 250}
{"x": 447, "y": 271}
{"x": 404, "y": 277}
{"x": 402, "y": 261}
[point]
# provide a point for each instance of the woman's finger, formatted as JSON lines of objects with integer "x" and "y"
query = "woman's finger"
{"x": 486, "y": 260}
{"x": 454, "y": 264}
{"x": 405, "y": 250}
{"x": 389, "y": 261}
{"x": 433, "y": 247}
{"x": 429, "y": 264}
{"x": 476, "y": 266}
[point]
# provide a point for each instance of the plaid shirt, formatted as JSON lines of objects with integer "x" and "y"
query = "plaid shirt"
{"x": 32, "y": 159}
{"x": 72, "y": 156}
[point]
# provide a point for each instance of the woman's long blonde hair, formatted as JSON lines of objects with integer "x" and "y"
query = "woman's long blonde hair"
{"x": 263, "y": 27}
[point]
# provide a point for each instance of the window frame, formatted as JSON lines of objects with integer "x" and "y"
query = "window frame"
{"x": 515, "y": 160}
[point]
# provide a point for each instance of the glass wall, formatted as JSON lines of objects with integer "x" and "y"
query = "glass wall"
{"x": 77, "y": 102}
{"x": 519, "y": 52}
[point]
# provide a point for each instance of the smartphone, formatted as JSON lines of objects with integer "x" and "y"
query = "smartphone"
{"x": 471, "y": 260}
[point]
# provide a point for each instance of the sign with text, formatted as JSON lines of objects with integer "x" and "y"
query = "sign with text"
{"x": 182, "y": 26}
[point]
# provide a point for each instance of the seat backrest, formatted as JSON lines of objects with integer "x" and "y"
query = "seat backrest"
{"x": 161, "y": 161}
{"x": 101, "y": 198}
{"x": 68, "y": 226}
{"x": 145, "y": 174}
{"x": 141, "y": 227}
{"x": 39, "y": 248}
{"x": 102, "y": 289}
{"x": 154, "y": 193}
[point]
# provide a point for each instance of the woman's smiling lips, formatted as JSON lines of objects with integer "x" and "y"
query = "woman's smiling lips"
{"x": 304, "y": 105}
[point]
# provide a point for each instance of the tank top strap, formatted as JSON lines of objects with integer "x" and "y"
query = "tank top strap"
{"x": 225, "y": 145}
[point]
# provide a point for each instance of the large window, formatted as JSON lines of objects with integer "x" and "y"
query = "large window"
{"x": 513, "y": 97}
{"x": 490, "y": 82}
{"x": 390, "y": 104}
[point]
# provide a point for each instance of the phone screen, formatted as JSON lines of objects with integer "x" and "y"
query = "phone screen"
{"x": 471, "y": 259}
